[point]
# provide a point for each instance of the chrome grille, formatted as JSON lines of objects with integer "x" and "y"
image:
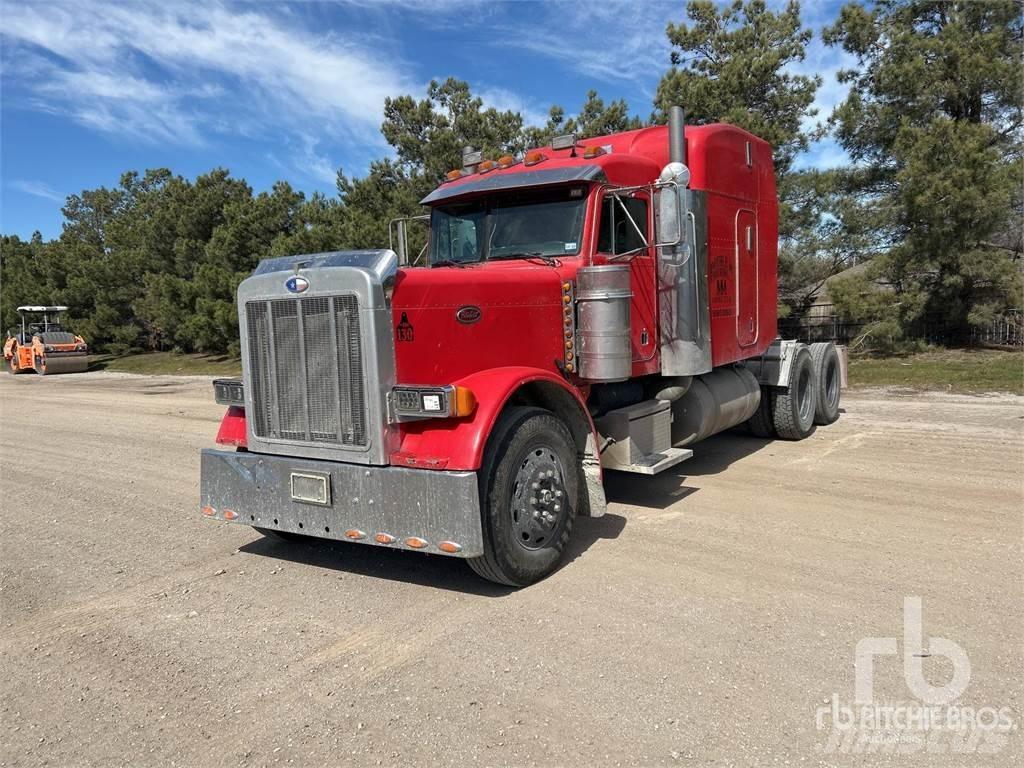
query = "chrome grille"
{"x": 306, "y": 370}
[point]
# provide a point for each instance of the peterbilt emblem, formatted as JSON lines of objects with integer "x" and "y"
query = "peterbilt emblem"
{"x": 468, "y": 315}
{"x": 296, "y": 284}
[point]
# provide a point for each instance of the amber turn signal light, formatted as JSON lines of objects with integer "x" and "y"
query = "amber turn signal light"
{"x": 463, "y": 402}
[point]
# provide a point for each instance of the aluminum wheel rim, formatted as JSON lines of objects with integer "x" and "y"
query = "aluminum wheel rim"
{"x": 538, "y": 498}
{"x": 804, "y": 394}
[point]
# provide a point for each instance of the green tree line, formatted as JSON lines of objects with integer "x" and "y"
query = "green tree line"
{"x": 931, "y": 201}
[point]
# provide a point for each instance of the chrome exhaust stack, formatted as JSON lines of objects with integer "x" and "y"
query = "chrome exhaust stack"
{"x": 684, "y": 319}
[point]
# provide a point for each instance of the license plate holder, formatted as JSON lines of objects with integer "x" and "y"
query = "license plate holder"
{"x": 311, "y": 488}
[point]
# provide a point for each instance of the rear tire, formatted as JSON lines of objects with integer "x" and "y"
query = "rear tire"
{"x": 761, "y": 424}
{"x": 793, "y": 409}
{"x": 825, "y": 361}
{"x": 529, "y": 492}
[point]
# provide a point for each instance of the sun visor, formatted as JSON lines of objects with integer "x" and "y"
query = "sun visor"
{"x": 517, "y": 180}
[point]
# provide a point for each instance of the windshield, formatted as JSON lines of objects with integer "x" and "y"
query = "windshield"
{"x": 520, "y": 224}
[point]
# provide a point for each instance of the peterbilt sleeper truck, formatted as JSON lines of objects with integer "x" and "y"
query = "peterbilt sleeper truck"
{"x": 594, "y": 305}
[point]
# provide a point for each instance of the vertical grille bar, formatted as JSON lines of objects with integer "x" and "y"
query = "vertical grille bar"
{"x": 336, "y": 366}
{"x": 300, "y": 323}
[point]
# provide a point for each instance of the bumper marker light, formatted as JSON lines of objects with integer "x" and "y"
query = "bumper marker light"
{"x": 230, "y": 514}
{"x": 209, "y": 511}
{"x": 384, "y": 538}
{"x": 354, "y": 533}
{"x": 416, "y": 542}
{"x": 449, "y": 546}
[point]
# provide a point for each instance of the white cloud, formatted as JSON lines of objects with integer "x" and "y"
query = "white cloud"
{"x": 617, "y": 40}
{"x": 38, "y": 189}
{"x": 506, "y": 100}
{"x": 149, "y": 71}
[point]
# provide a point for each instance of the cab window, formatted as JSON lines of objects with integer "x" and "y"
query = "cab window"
{"x": 617, "y": 235}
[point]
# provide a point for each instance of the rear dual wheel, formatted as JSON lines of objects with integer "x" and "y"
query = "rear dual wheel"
{"x": 794, "y": 405}
{"x": 530, "y": 486}
{"x": 827, "y": 375}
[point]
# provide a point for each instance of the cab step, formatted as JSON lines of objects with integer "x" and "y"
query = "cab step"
{"x": 638, "y": 438}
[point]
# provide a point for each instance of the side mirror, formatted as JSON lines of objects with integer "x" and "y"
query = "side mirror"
{"x": 398, "y": 239}
{"x": 670, "y": 229}
{"x": 672, "y": 214}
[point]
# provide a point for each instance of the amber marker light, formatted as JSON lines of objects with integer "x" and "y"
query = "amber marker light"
{"x": 416, "y": 542}
{"x": 453, "y": 175}
{"x": 384, "y": 538}
{"x": 450, "y": 547}
{"x": 209, "y": 511}
{"x": 486, "y": 165}
{"x": 463, "y": 402}
{"x": 591, "y": 152}
{"x": 354, "y": 533}
{"x": 506, "y": 161}
{"x": 533, "y": 157}
{"x": 230, "y": 514}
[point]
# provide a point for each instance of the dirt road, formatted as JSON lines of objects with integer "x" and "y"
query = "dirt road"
{"x": 704, "y": 620}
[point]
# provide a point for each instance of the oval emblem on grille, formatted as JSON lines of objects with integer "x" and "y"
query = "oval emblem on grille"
{"x": 468, "y": 315}
{"x": 296, "y": 284}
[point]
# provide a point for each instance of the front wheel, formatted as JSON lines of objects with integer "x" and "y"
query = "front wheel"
{"x": 529, "y": 491}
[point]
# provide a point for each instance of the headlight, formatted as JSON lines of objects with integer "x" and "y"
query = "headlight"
{"x": 228, "y": 392}
{"x": 432, "y": 402}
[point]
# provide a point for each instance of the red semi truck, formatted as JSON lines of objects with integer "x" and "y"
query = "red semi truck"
{"x": 594, "y": 305}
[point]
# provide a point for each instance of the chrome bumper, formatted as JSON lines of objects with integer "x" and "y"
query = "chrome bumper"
{"x": 399, "y": 503}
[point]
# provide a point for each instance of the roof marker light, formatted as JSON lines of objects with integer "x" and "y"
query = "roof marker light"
{"x": 533, "y": 157}
{"x": 506, "y": 161}
{"x": 453, "y": 175}
{"x": 591, "y": 152}
{"x": 486, "y": 165}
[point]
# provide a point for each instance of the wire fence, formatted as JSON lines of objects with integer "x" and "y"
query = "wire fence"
{"x": 822, "y": 324}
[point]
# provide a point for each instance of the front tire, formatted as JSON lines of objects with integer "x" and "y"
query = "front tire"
{"x": 529, "y": 492}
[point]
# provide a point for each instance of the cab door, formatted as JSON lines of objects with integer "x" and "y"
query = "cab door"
{"x": 746, "y": 278}
{"x": 620, "y": 240}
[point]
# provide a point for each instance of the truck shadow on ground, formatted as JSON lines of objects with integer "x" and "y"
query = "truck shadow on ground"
{"x": 426, "y": 570}
{"x": 710, "y": 457}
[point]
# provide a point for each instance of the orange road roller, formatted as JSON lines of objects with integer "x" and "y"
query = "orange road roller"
{"x": 44, "y": 345}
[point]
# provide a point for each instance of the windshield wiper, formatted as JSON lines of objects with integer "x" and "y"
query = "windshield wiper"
{"x": 525, "y": 255}
{"x": 449, "y": 263}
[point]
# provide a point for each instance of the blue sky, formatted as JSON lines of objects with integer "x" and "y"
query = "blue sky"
{"x": 294, "y": 91}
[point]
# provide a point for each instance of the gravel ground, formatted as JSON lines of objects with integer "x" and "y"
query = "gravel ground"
{"x": 703, "y": 620}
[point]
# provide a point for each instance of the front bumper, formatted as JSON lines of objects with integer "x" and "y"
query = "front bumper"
{"x": 400, "y": 503}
